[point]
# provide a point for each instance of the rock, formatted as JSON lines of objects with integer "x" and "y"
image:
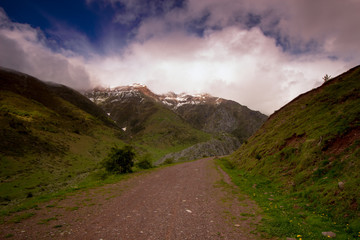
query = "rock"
{"x": 221, "y": 146}
{"x": 329, "y": 234}
{"x": 341, "y": 185}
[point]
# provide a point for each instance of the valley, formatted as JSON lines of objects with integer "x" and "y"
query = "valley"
{"x": 54, "y": 138}
{"x": 172, "y": 123}
{"x": 292, "y": 175}
{"x": 179, "y": 120}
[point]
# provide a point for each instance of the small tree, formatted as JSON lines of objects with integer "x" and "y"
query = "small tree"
{"x": 120, "y": 160}
{"x": 326, "y": 78}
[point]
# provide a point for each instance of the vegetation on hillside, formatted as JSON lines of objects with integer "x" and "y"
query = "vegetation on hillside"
{"x": 165, "y": 132}
{"x": 47, "y": 143}
{"x": 120, "y": 160}
{"x": 151, "y": 127}
{"x": 310, "y": 148}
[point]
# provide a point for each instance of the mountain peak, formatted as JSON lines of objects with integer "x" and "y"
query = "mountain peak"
{"x": 170, "y": 99}
{"x": 203, "y": 111}
{"x": 174, "y": 100}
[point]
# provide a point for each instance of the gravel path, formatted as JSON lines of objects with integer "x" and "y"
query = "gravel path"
{"x": 193, "y": 200}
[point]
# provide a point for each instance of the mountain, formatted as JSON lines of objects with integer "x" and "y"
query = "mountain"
{"x": 311, "y": 146}
{"x": 51, "y": 136}
{"x": 215, "y": 115}
{"x": 182, "y": 120}
{"x": 148, "y": 124}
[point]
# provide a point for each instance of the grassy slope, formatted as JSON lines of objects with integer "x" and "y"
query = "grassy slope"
{"x": 164, "y": 132}
{"x": 308, "y": 147}
{"x": 47, "y": 148}
{"x": 152, "y": 127}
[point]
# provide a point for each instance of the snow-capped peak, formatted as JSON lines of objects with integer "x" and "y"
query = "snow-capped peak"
{"x": 137, "y": 85}
{"x": 177, "y": 100}
{"x": 136, "y": 90}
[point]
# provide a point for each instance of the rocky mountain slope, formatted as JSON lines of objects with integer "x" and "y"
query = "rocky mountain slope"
{"x": 215, "y": 115}
{"x": 217, "y": 146}
{"x": 311, "y": 147}
{"x": 147, "y": 123}
{"x": 202, "y": 111}
{"x": 175, "y": 122}
{"x": 51, "y": 136}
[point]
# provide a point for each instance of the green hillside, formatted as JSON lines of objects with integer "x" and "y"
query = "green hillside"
{"x": 311, "y": 149}
{"x": 47, "y": 142}
{"x": 53, "y": 138}
{"x": 164, "y": 132}
{"x": 149, "y": 125}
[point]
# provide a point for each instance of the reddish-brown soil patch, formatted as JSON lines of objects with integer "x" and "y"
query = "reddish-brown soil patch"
{"x": 295, "y": 140}
{"x": 338, "y": 145}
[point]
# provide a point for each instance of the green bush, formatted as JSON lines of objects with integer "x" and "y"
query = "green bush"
{"x": 168, "y": 161}
{"x": 145, "y": 162}
{"x": 120, "y": 160}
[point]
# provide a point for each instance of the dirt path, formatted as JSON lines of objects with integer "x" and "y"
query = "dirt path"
{"x": 193, "y": 200}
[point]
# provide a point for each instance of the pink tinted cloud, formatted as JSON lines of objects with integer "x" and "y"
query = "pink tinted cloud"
{"x": 243, "y": 65}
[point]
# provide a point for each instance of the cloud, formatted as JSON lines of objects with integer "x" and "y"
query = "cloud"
{"x": 25, "y": 49}
{"x": 261, "y": 54}
{"x": 127, "y": 12}
{"x": 243, "y": 65}
{"x": 300, "y": 26}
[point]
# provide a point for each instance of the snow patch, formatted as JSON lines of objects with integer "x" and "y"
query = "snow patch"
{"x": 138, "y": 85}
{"x": 167, "y": 103}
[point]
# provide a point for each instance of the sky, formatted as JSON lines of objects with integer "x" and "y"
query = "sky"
{"x": 260, "y": 53}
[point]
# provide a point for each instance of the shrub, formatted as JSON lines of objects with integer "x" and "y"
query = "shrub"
{"x": 145, "y": 162}
{"x": 120, "y": 160}
{"x": 168, "y": 161}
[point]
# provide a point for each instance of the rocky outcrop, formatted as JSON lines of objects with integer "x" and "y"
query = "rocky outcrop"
{"x": 222, "y": 145}
{"x": 221, "y": 115}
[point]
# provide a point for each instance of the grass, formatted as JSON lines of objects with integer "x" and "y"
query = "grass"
{"x": 43, "y": 152}
{"x": 23, "y": 216}
{"x": 311, "y": 145}
{"x": 285, "y": 215}
{"x": 165, "y": 132}
{"x": 95, "y": 179}
{"x": 47, "y": 220}
{"x": 51, "y": 146}
{"x": 40, "y": 174}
